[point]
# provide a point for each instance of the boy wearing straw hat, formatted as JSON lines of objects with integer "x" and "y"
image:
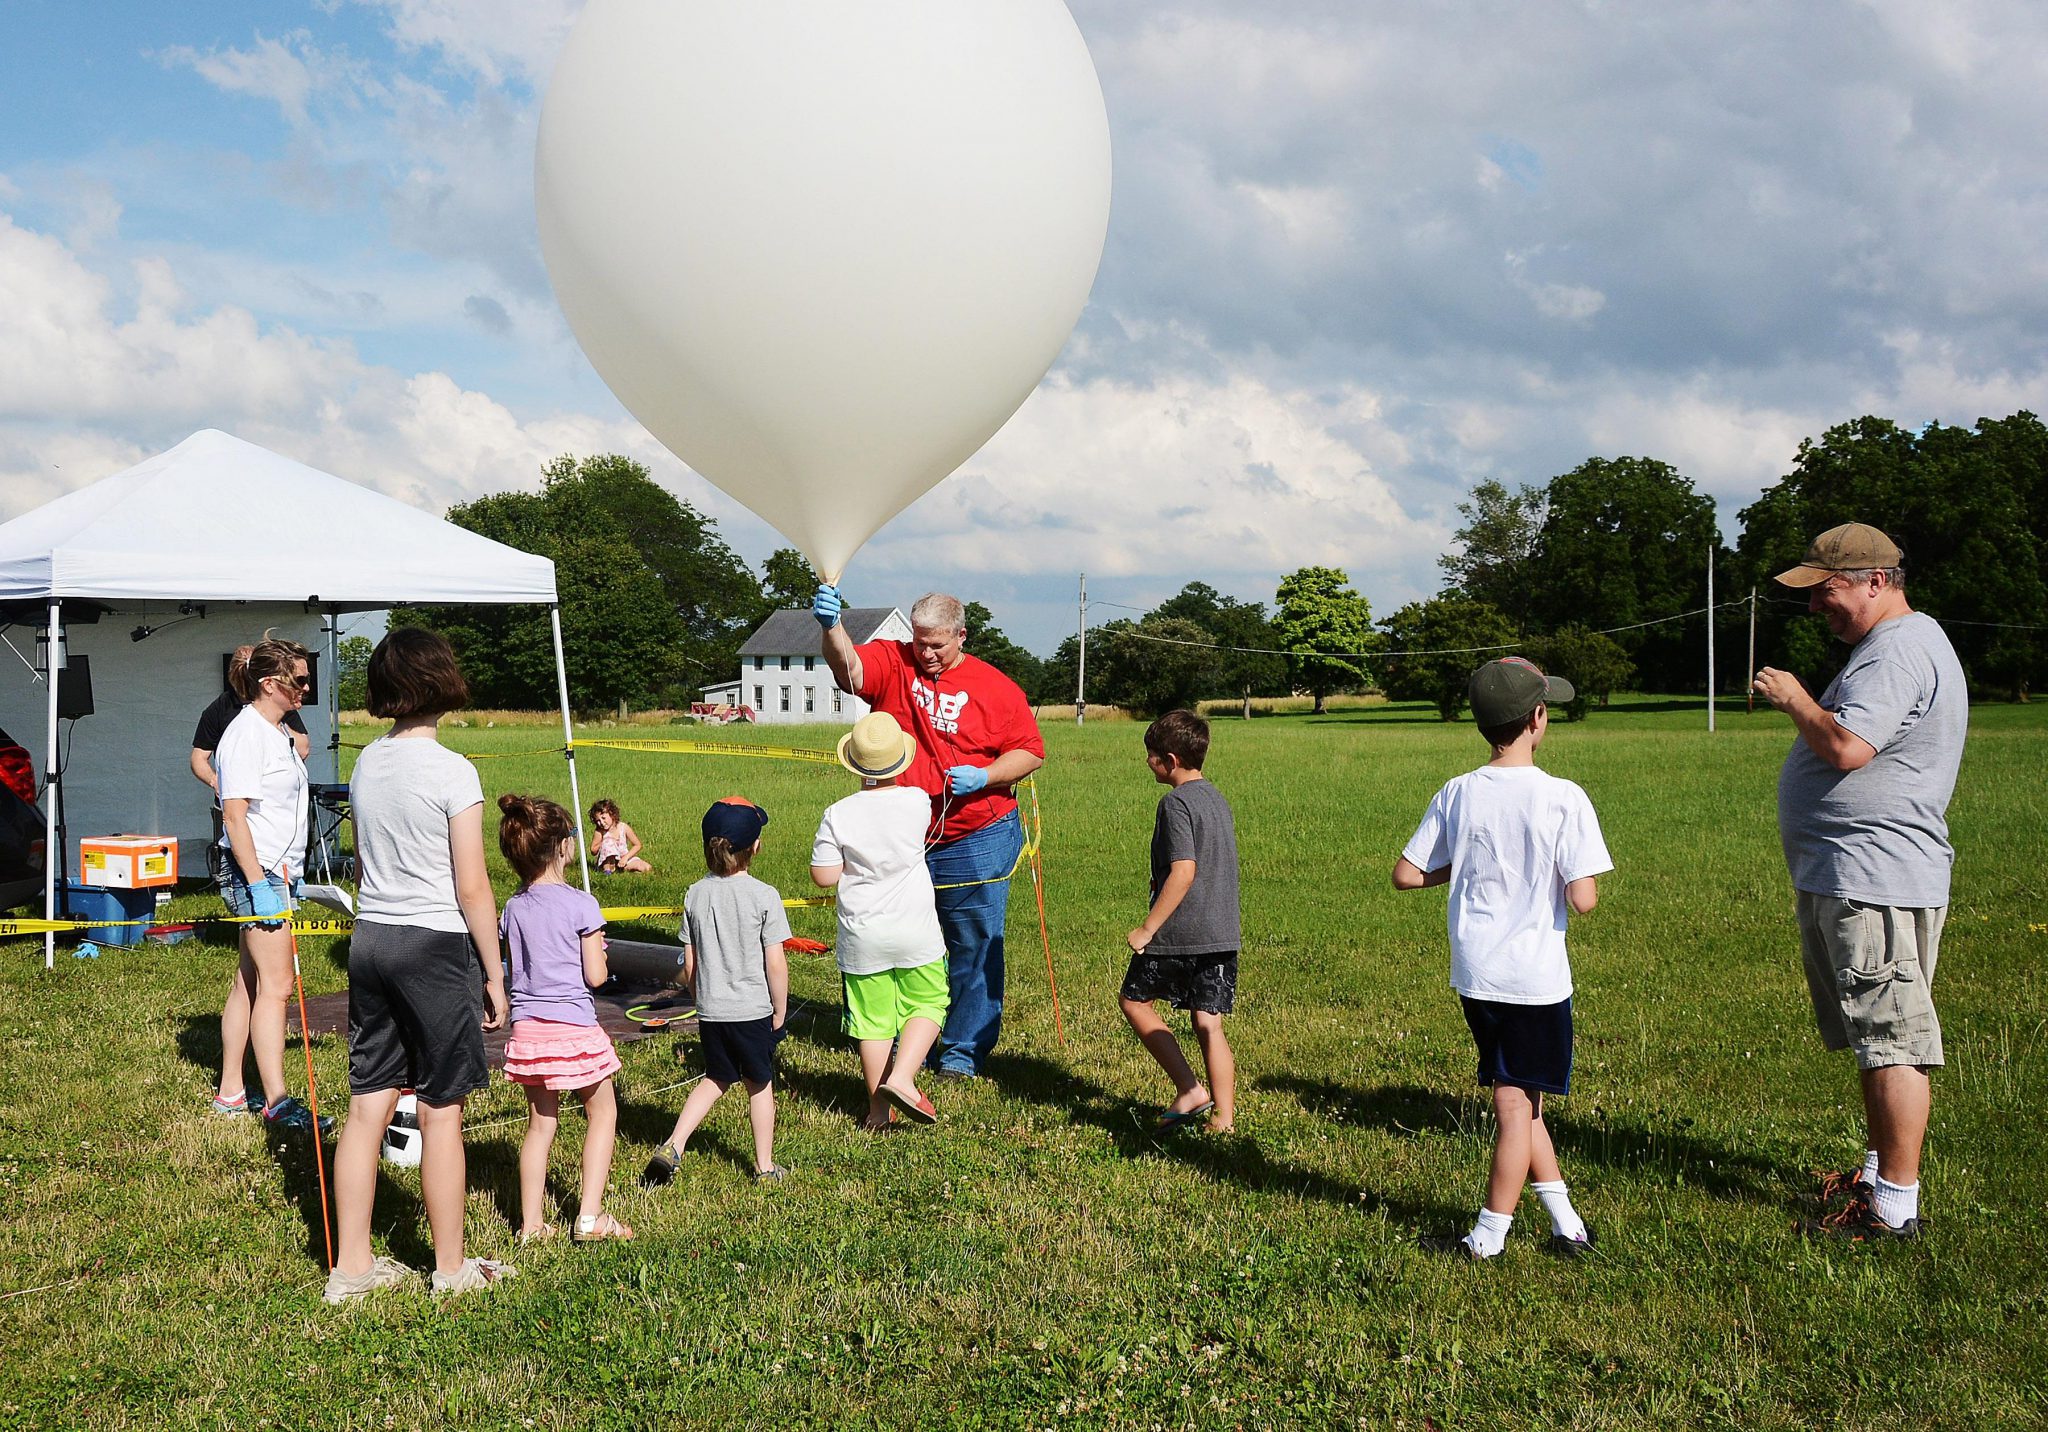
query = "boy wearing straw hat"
{"x": 870, "y": 845}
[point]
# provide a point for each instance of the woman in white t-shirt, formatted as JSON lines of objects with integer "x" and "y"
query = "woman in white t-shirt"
{"x": 424, "y": 976}
{"x": 891, "y": 951}
{"x": 263, "y": 798}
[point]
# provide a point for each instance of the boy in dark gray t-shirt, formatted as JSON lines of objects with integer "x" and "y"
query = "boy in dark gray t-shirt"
{"x": 1186, "y": 951}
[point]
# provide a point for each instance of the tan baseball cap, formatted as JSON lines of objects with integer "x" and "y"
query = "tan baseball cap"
{"x": 1852, "y": 547}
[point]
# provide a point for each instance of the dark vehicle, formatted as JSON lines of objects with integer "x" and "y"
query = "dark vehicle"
{"x": 21, "y": 827}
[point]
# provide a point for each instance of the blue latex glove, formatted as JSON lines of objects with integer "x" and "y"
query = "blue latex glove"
{"x": 826, "y": 606}
{"x": 965, "y": 780}
{"x": 266, "y": 904}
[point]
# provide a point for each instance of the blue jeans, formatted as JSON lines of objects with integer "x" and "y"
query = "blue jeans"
{"x": 971, "y": 918}
{"x": 235, "y": 890}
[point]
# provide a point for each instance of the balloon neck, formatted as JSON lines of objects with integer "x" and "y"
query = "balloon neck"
{"x": 832, "y": 578}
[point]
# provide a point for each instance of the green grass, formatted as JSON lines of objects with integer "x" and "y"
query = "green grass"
{"x": 1037, "y": 1260}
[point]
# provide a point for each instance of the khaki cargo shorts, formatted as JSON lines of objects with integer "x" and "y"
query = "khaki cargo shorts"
{"x": 1870, "y": 969}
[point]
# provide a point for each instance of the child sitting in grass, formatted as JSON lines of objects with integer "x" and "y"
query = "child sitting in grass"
{"x": 870, "y": 845}
{"x": 1519, "y": 850}
{"x": 733, "y": 929}
{"x": 1186, "y": 951}
{"x": 617, "y": 848}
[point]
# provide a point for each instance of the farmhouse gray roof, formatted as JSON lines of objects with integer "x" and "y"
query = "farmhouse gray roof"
{"x": 795, "y": 633}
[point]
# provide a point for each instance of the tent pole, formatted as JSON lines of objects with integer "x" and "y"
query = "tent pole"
{"x": 569, "y": 744}
{"x": 51, "y": 779}
{"x": 334, "y": 695}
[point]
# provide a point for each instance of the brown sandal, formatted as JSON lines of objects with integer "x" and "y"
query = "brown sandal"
{"x": 546, "y": 1233}
{"x": 600, "y": 1228}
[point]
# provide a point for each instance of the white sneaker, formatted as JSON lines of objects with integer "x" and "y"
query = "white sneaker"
{"x": 382, "y": 1273}
{"x": 475, "y": 1273}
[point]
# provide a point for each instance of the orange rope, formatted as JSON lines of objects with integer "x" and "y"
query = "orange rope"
{"x": 312, "y": 1089}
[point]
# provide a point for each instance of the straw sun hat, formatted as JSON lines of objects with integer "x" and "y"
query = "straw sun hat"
{"x": 876, "y": 748}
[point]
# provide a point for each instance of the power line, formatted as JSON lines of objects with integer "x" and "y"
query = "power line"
{"x": 1737, "y": 604}
{"x": 1382, "y": 655}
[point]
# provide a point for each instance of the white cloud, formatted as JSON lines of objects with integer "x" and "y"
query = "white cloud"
{"x": 489, "y": 39}
{"x": 90, "y": 382}
{"x": 1183, "y": 475}
{"x": 285, "y": 71}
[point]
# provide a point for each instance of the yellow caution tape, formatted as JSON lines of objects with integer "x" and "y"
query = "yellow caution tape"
{"x": 718, "y": 748}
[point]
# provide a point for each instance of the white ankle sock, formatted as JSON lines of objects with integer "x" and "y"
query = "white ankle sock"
{"x": 1869, "y": 1175}
{"x": 1490, "y": 1234}
{"x": 1895, "y": 1203}
{"x": 1564, "y": 1219}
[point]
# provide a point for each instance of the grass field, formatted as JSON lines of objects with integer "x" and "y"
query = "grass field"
{"x": 1037, "y": 1259}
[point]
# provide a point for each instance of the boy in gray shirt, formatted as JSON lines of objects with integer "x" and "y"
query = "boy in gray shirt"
{"x": 1186, "y": 951}
{"x": 733, "y": 929}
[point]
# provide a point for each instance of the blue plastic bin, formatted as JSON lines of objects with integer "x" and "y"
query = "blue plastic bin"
{"x": 100, "y": 902}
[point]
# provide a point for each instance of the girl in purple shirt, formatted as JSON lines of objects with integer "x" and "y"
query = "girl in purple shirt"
{"x": 554, "y": 942}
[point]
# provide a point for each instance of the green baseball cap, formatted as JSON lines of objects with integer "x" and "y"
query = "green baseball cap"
{"x": 1509, "y": 688}
{"x": 1852, "y": 547}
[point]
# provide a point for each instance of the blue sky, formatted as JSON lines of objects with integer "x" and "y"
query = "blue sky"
{"x": 1361, "y": 257}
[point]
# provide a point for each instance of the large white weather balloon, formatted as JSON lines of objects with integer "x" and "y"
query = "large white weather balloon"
{"x": 823, "y": 248}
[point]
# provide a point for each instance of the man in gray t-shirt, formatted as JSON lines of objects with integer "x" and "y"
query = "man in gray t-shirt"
{"x": 1862, "y": 814}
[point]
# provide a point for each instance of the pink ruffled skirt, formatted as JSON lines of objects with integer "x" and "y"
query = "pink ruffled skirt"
{"x": 549, "y": 1054}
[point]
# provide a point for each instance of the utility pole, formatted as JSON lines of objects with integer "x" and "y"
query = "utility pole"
{"x": 1081, "y": 666}
{"x": 1750, "y": 669}
{"x": 1710, "y": 638}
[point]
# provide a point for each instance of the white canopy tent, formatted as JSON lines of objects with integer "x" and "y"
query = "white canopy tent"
{"x": 207, "y": 545}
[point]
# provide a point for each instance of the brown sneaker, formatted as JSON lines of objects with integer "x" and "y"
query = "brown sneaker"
{"x": 1857, "y": 1221}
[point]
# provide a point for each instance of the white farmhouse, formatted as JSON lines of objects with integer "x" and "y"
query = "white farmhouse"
{"x": 786, "y": 681}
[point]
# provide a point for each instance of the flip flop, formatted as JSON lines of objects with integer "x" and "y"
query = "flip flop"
{"x": 919, "y": 1108}
{"x": 1167, "y": 1120}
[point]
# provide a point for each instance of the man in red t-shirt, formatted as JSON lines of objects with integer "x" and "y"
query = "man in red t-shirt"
{"x": 976, "y": 738}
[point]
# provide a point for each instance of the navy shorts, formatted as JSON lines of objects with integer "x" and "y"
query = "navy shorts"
{"x": 742, "y": 1050}
{"x": 1525, "y": 1046}
{"x": 415, "y": 1013}
{"x": 1203, "y": 983}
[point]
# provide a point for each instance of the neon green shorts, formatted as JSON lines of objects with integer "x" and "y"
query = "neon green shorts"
{"x": 879, "y": 1005}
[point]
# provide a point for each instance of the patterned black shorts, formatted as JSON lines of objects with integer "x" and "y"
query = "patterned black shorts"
{"x": 1207, "y": 983}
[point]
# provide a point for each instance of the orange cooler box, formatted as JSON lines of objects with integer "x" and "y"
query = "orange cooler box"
{"x": 128, "y": 862}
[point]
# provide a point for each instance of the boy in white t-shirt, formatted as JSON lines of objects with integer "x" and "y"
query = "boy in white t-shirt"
{"x": 891, "y": 952}
{"x": 1519, "y": 850}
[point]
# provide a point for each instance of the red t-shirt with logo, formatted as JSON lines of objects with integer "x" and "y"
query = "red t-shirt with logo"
{"x": 968, "y": 716}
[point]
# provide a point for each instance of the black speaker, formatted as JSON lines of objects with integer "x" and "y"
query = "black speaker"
{"x": 74, "y": 689}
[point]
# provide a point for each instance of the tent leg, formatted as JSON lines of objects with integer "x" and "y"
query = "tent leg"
{"x": 334, "y": 696}
{"x": 568, "y": 744}
{"x": 52, "y": 657}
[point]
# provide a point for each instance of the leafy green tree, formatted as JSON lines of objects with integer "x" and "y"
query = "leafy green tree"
{"x": 1159, "y": 664}
{"x": 654, "y": 602}
{"x": 787, "y": 581}
{"x": 1433, "y": 648}
{"x": 352, "y": 660}
{"x": 1594, "y": 664}
{"x": 1496, "y": 545}
{"x": 1625, "y": 540}
{"x": 987, "y": 641}
{"x": 1245, "y": 664}
{"x": 1319, "y": 620}
{"x": 1967, "y": 507}
{"x": 1056, "y": 675}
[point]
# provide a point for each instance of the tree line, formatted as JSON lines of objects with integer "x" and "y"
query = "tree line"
{"x": 1584, "y": 572}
